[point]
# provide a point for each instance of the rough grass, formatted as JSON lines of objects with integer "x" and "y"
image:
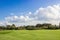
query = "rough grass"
{"x": 30, "y": 35}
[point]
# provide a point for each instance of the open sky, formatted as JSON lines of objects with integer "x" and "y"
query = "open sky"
{"x": 29, "y": 12}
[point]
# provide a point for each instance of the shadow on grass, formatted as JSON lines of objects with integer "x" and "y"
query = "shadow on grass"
{"x": 5, "y": 32}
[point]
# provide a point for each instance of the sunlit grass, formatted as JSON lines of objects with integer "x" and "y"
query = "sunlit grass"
{"x": 30, "y": 35}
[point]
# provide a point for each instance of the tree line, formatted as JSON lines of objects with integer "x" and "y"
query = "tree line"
{"x": 29, "y": 27}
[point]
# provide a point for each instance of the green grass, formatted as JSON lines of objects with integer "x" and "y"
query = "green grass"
{"x": 30, "y": 35}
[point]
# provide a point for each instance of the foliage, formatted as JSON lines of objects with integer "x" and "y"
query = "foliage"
{"x": 29, "y": 27}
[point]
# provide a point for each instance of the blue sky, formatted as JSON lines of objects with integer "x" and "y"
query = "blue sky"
{"x": 23, "y": 7}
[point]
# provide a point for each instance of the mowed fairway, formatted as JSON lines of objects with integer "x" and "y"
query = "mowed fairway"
{"x": 30, "y": 35}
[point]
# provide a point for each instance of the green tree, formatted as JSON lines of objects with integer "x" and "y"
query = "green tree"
{"x": 8, "y": 27}
{"x": 30, "y": 27}
{"x": 13, "y": 26}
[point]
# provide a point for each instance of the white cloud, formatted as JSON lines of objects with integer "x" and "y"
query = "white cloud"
{"x": 49, "y": 14}
{"x": 30, "y": 13}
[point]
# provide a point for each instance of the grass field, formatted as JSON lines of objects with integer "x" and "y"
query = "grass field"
{"x": 30, "y": 35}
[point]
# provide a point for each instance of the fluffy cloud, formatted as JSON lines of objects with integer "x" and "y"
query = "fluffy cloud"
{"x": 19, "y": 20}
{"x": 49, "y": 14}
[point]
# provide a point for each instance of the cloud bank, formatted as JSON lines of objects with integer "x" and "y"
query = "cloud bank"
{"x": 49, "y": 14}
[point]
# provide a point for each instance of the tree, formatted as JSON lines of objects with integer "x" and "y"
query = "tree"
{"x": 13, "y": 26}
{"x": 39, "y": 25}
{"x": 1, "y": 27}
{"x": 59, "y": 25}
{"x": 8, "y": 27}
{"x": 46, "y": 25}
{"x": 30, "y": 27}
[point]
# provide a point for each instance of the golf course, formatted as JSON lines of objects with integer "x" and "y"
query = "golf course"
{"x": 30, "y": 35}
